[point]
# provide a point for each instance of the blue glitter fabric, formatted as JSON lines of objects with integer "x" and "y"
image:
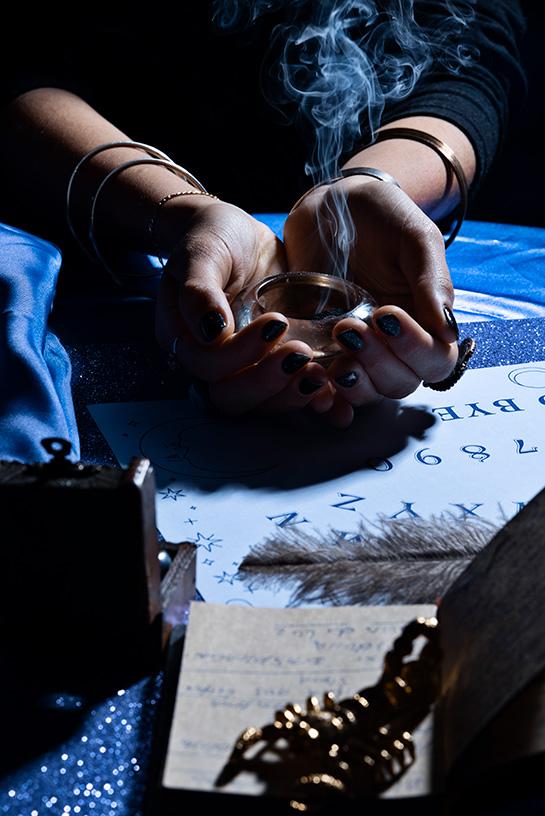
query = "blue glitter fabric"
{"x": 101, "y": 768}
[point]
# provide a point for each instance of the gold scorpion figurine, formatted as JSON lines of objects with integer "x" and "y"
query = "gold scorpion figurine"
{"x": 359, "y": 746}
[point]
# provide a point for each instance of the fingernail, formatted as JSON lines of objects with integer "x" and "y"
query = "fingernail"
{"x": 273, "y": 329}
{"x": 348, "y": 380}
{"x": 212, "y": 324}
{"x": 294, "y": 361}
{"x": 351, "y": 339}
{"x": 308, "y": 386}
{"x": 389, "y": 325}
{"x": 451, "y": 321}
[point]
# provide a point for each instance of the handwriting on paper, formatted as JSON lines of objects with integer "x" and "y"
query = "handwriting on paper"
{"x": 240, "y": 665}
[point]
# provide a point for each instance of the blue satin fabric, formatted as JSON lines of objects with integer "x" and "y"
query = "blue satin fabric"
{"x": 35, "y": 398}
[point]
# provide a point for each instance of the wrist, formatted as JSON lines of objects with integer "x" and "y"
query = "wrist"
{"x": 172, "y": 215}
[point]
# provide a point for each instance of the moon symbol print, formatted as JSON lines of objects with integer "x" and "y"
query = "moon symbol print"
{"x": 528, "y": 377}
{"x": 209, "y": 449}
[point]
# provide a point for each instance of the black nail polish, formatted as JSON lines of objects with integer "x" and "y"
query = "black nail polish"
{"x": 212, "y": 324}
{"x": 308, "y": 386}
{"x": 351, "y": 339}
{"x": 389, "y": 325}
{"x": 273, "y": 329}
{"x": 294, "y": 361}
{"x": 451, "y": 321}
{"x": 348, "y": 380}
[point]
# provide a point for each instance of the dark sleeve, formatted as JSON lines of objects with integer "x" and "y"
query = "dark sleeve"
{"x": 481, "y": 96}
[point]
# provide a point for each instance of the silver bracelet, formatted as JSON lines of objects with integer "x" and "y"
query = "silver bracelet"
{"x": 149, "y": 149}
{"x": 167, "y": 163}
{"x": 381, "y": 175}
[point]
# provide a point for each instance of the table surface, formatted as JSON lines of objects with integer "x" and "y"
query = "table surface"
{"x": 72, "y": 754}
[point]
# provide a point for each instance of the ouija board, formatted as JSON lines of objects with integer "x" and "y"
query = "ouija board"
{"x": 476, "y": 451}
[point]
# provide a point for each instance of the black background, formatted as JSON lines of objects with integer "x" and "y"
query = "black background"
{"x": 513, "y": 191}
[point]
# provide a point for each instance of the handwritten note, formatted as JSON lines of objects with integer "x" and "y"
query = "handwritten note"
{"x": 477, "y": 450}
{"x": 242, "y": 665}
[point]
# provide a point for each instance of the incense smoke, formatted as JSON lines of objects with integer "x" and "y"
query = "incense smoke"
{"x": 341, "y": 62}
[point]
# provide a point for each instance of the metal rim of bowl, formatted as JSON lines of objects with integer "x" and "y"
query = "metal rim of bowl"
{"x": 313, "y": 278}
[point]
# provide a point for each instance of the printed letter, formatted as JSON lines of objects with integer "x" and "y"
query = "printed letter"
{"x": 507, "y": 405}
{"x": 288, "y": 519}
{"x": 407, "y": 508}
{"x": 449, "y": 413}
{"x": 350, "y": 499}
{"x": 477, "y": 410}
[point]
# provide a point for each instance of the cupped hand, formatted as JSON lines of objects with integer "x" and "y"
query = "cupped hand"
{"x": 223, "y": 250}
{"x": 399, "y": 257}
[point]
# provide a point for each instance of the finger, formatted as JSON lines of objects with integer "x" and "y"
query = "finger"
{"x": 236, "y": 352}
{"x": 220, "y": 243}
{"x": 323, "y": 401}
{"x": 202, "y": 268}
{"x": 423, "y": 263}
{"x": 389, "y": 375}
{"x": 241, "y": 350}
{"x": 255, "y": 385}
{"x": 352, "y": 382}
{"x": 303, "y": 388}
{"x": 430, "y": 359}
{"x": 341, "y": 413}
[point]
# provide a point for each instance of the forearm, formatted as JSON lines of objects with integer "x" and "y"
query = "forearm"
{"x": 419, "y": 170}
{"x": 43, "y": 134}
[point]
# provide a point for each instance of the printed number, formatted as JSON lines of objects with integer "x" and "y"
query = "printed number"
{"x": 379, "y": 464}
{"x": 428, "y": 458}
{"x": 520, "y": 447}
{"x": 477, "y": 452}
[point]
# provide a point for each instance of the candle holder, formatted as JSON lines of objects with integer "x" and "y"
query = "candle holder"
{"x": 313, "y": 303}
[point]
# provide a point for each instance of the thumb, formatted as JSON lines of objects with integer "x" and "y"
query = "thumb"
{"x": 424, "y": 265}
{"x": 202, "y": 264}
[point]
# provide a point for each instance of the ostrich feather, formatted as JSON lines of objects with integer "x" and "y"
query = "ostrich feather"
{"x": 406, "y": 561}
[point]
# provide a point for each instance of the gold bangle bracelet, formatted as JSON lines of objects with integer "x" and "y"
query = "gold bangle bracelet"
{"x": 452, "y": 164}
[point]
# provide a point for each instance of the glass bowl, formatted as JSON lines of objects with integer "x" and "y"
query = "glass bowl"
{"x": 313, "y": 304}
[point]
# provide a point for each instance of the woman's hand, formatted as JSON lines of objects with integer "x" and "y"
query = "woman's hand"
{"x": 399, "y": 257}
{"x": 223, "y": 250}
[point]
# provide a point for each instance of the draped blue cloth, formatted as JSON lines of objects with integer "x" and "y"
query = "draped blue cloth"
{"x": 35, "y": 398}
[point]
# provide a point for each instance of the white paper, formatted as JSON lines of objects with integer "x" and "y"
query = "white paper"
{"x": 240, "y": 666}
{"x": 476, "y": 450}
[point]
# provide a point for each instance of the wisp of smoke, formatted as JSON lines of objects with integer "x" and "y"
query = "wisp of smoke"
{"x": 341, "y": 62}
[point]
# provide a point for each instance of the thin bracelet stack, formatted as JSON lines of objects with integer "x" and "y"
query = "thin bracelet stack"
{"x": 453, "y": 167}
{"x": 452, "y": 164}
{"x": 155, "y": 157}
